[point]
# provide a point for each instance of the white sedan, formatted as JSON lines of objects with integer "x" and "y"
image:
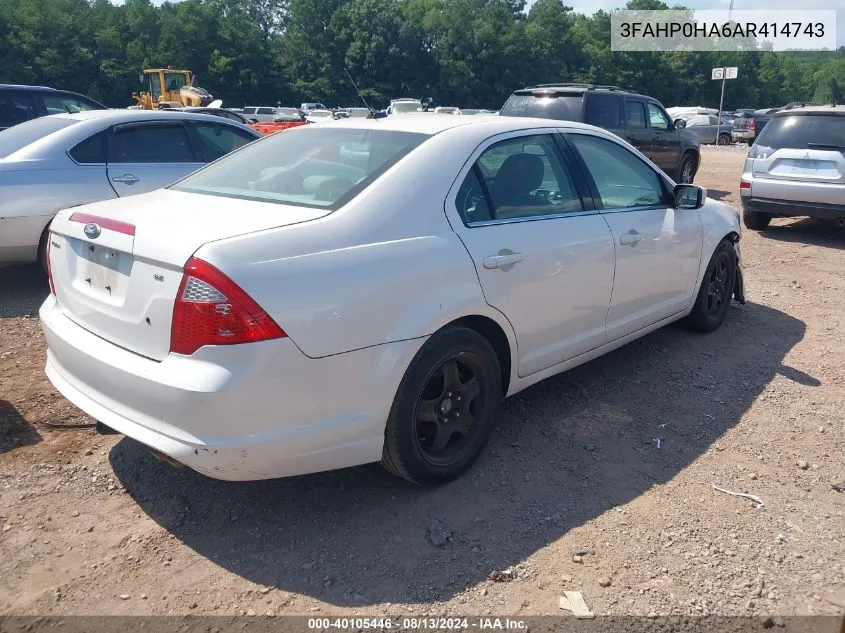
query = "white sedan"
{"x": 371, "y": 290}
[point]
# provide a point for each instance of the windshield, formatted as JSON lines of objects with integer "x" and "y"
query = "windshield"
{"x": 407, "y": 106}
{"x": 803, "y": 131}
{"x": 565, "y": 107}
{"x": 19, "y": 136}
{"x": 309, "y": 166}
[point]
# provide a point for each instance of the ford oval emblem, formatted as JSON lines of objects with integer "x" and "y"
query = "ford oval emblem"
{"x": 92, "y": 231}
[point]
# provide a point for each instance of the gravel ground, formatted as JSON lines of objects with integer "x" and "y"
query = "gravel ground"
{"x": 95, "y": 525}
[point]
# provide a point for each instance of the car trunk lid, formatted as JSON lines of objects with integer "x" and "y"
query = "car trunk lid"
{"x": 803, "y": 165}
{"x": 117, "y": 265}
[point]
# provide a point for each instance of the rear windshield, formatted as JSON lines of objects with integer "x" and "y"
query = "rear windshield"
{"x": 407, "y": 106}
{"x": 310, "y": 166}
{"x": 19, "y": 136}
{"x": 803, "y": 131}
{"x": 561, "y": 107}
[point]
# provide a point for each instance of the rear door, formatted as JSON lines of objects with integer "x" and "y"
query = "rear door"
{"x": 148, "y": 155}
{"x": 658, "y": 247}
{"x": 636, "y": 124}
{"x": 665, "y": 139}
{"x": 544, "y": 258}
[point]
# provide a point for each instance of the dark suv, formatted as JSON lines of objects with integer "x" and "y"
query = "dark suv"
{"x": 22, "y": 103}
{"x": 640, "y": 120}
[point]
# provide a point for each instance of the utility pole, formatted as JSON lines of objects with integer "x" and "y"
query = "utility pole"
{"x": 724, "y": 77}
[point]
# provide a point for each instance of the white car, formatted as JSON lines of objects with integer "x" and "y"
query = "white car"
{"x": 371, "y": 290}
{"x": 320, "y": 116}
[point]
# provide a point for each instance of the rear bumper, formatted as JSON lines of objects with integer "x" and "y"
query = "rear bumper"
{"x": 239, "y": 412}
{"x": 791, "y": 208}
{"x": 742, "y": 134}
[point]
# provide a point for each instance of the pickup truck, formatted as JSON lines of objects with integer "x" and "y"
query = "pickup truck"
{"x": 748, "y": 127}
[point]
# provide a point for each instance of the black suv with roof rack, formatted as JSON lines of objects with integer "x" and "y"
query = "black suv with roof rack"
{"x": 640, "y": 120}
{"x": 22, "y": 103}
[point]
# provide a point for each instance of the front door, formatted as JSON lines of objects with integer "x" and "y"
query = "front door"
{"x": 665, "y": 140}
{"x": 658, "y": 247}
{"x": 149, "y": 155}
{"x": 637, "y": 132}
{"x": 543, "y": 257}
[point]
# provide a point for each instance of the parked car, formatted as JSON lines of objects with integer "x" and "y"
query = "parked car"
{"x": 308, "y": 107}
{"x": 19, "y": 104}
{"x": 447, "y": 110}
{"x": 292, "y": 276}
{"x": 287, "y": 115}
{"x": 358, "y": 113}
{"x": 473, "y": 111}
{"x": 320, "y": 116}
{"x": 707, "y": 129}
{"x": 221, "y": 112}
{"x": 796, "y": 167}
{"x": 261, "y": 114}
{"x": 405, "y": 105}
{"x": 640, "y": 120}
{"x": 66, "y": 160}
{"x": 747, "y": 127}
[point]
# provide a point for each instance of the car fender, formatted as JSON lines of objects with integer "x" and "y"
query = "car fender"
{"x": 719, "y": 221}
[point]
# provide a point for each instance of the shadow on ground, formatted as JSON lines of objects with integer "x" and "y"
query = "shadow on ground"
{"x": 563, "y": 453}
{"x": 15, "y": 431}
{"x": 22, "y": 290}
{"x": 717, "y": 194}
{"x": 807, "y": 231}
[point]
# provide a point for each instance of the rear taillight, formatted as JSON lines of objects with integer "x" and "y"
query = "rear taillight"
{"x": 744, "y": 184}
{"x": 211, "y": 309}
{"x": 47, "y": 262}
{"x": 752, "y": 126}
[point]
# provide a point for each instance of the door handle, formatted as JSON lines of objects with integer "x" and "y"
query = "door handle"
{"x": 503, "y": 259}
{"x": 630, "y": 238}
{"x": 127, "y": 179}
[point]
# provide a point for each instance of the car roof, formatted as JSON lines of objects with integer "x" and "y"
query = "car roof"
{"x": 121, "y": 115}
{"x": 829, "y": 109}
{"x": 429, "y": 123}
{"x": 40, "y": 88}
{"x": 566, "y": 87}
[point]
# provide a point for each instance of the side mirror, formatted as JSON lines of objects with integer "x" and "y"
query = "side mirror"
{"x": 680, "y": 124}
{"x": 689, "y": 196}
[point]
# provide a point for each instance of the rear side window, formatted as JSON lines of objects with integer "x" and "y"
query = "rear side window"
{"x": 15, "y": 108}
{"x": 151, "y": 144}
{"x": 603, "y": 110}
{"x": 62, "y": 103}
{"x": 565, "y": 107}
{"x": 623, "y": 180}
{"x": 635, "y": 115}
{"x": 803, "y": 132}
{"x": 219, "y": 140}
{"x": 525, "y": 177}
{"x": 92, "y": 150}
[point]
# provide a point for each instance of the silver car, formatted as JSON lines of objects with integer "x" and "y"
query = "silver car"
{"x": 706, "y": 128}
{"x": 65, "y": 160}
{"x": 796, "y": 167}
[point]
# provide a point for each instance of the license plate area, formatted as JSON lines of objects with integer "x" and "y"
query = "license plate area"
{"x": 102, "y": 272}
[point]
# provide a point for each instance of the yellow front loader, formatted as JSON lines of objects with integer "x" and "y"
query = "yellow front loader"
{"x": 169, "y": 88}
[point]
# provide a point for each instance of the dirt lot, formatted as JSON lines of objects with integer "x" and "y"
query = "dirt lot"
{"x": 95, "y": 525}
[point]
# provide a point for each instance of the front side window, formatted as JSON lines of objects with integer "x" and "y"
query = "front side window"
{"x": 219, "y": 140}
{"x": 155, "y": 86}
{"x": 657, "y": 118}
{"x": 174, "y": 81}
{"x": 314, "y": 166}
{"x": 622, "y": 179}
{"x": 520, "y": 177}
{"x": 151, "y": 144}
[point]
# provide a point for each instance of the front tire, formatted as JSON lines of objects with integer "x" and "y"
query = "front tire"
{"x": 686, "y": 172}
{"x": 755, "y": 220}
{"x": 444, "y": 409}
{"x": 714, "y": 295}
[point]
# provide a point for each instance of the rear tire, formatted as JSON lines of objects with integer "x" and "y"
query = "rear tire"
{"x": 42, "y": 248}
{"x": 444, "y": 409}
{"x": 755, "y": 220}
{"x": 714, "y": 295}
{"x": 724, "y": 139}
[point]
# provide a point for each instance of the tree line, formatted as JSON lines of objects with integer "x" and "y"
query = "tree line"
{"x": 470, "y": 53}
